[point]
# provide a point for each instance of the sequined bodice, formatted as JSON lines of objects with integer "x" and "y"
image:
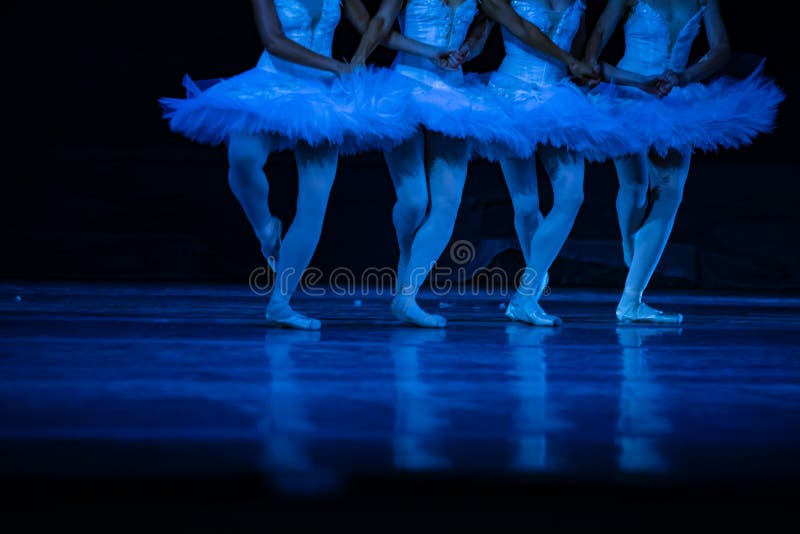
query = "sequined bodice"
{"x": 649, "y": 47}
{"x": 310, "y": 23}
{"x": 528, "y": 64}
{"x": 435, "y": 23}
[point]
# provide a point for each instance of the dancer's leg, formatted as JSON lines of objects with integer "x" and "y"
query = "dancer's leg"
{"x": 566, "y": 171}
{"x": 247, "y": 155}
{"x": 632, "y": 172}
{"x": 668, "y": 177}
{"x": 316, "y": 170}
{"x": 522, "y": 183}
{"x": 446, "y": 164}
{"x": 406, "y": 165}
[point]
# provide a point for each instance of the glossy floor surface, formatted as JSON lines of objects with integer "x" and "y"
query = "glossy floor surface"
{"x": 112, "y": 380}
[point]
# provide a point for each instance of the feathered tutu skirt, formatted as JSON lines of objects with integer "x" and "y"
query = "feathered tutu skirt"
{"x": 462, "y": 107}
{"x": 725, "y": 113}
{"x": 562, "y": 115}
{"x": 362, "y": 111}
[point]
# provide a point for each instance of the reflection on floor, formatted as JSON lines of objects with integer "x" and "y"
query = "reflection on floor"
{"x": 112, "y": 381}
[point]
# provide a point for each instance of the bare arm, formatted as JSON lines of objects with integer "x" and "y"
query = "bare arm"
{"x": 475, "y": 40}
{"x": 602, "y": 32}
{"x": 502, "y": 12}
{"x": 579, "y": 41}
{"x": 609, "y": 19}
{"x": 378, "y": 30}
{"x": 715, "y": 59}
{"x": 720, "y": 52}
{"x": 277, "y": 44}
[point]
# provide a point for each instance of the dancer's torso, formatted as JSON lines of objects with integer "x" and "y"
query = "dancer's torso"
{"x": 310, "y": 23}
{"x": 661, "y": 38}
{"x": 435, "y": 23}
{"x": 528, "y": 64}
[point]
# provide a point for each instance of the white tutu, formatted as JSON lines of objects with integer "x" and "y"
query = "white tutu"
{"x": 725, "y": 113}
{"x": 545, "y": 107}
{"x": 563, "y": 116}
{"x": 362, "y": 111}
{"x": 462, "y": 107}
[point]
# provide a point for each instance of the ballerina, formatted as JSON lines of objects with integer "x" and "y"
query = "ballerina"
{"x": 457, "y": 114}
{"x": 294, "y": 101}
{"x": 725, "y": 113}
{"x": 562, "y": 125}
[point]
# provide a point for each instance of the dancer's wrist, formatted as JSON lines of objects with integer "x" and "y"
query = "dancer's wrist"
{"x": 342, "y": 69}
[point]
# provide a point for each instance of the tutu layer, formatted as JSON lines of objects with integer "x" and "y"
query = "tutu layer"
{"x": 464, "y": 108}
{"x": 563, "y": 116}
{"x": 362, "y": 111}
{"x": 726, "y": 113}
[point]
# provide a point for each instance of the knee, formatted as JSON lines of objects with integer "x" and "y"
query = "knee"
{"x": 570, "y": 196}
{"x": 635, "y": 192}
{"x": 244, "y": 158}
{"x": 669, "y": 196}
{"x": 571, "y": 200}
{"x": 445, "y": 209}
{"x": 526, "y": 207}
{"x": 412, "y": 208}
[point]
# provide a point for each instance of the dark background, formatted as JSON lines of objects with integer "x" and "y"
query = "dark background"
{"x": 95, "y": 187}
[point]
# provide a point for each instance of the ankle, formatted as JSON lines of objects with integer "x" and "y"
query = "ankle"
{"x": 631, "y": 296}
{"x": 406, "y": 292}
{"x": 278, "y": 304}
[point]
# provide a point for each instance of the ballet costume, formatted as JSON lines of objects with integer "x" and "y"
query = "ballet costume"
{"x": 546, "y": 106}
{"x": 457, "y": 117}
{"x": 293, "y": 103}
{"x": 280, "y": 105}
{"x": 564, "y": 126}
{"x": 724, "y": 113}
{"x": 448, "y": 101}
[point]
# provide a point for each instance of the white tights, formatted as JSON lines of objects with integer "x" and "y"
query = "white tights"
{"x": 541, "y": 238}
{"x": 650, "y": 192}
{"x": 316, "y": 170}
{"x": 428, "y": 172}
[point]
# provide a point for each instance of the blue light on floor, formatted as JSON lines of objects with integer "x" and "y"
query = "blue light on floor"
{"x": 114, "y": 380}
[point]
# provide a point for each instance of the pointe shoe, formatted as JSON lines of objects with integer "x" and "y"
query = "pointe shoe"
{"x": 642, "y": 313}
{"x": 408, "y": 311}
{"x": 531, "y": 313}
{"x": 288, "y": 318}
{"x": 271, "y": 242}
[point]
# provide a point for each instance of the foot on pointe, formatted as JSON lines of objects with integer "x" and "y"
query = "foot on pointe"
{"x": 529, "y": 311}
{"x": 271, "y": 242}
{"x": 286, "y": 317}
{"x": 639, "y": 312}
{"x": 408, "y": 311}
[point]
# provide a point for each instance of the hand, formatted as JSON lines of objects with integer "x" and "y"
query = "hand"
{"x": 665, "y": 83}
{"x": 460, "y": 56}
{"x": 358, "y": 61}
{"x": 444, "y": 59}
{"x": 650, "y": 85}
{"x": 597, "y": 68}
{"x": 582, "y": 71}
{"x": 343, "y": 69}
